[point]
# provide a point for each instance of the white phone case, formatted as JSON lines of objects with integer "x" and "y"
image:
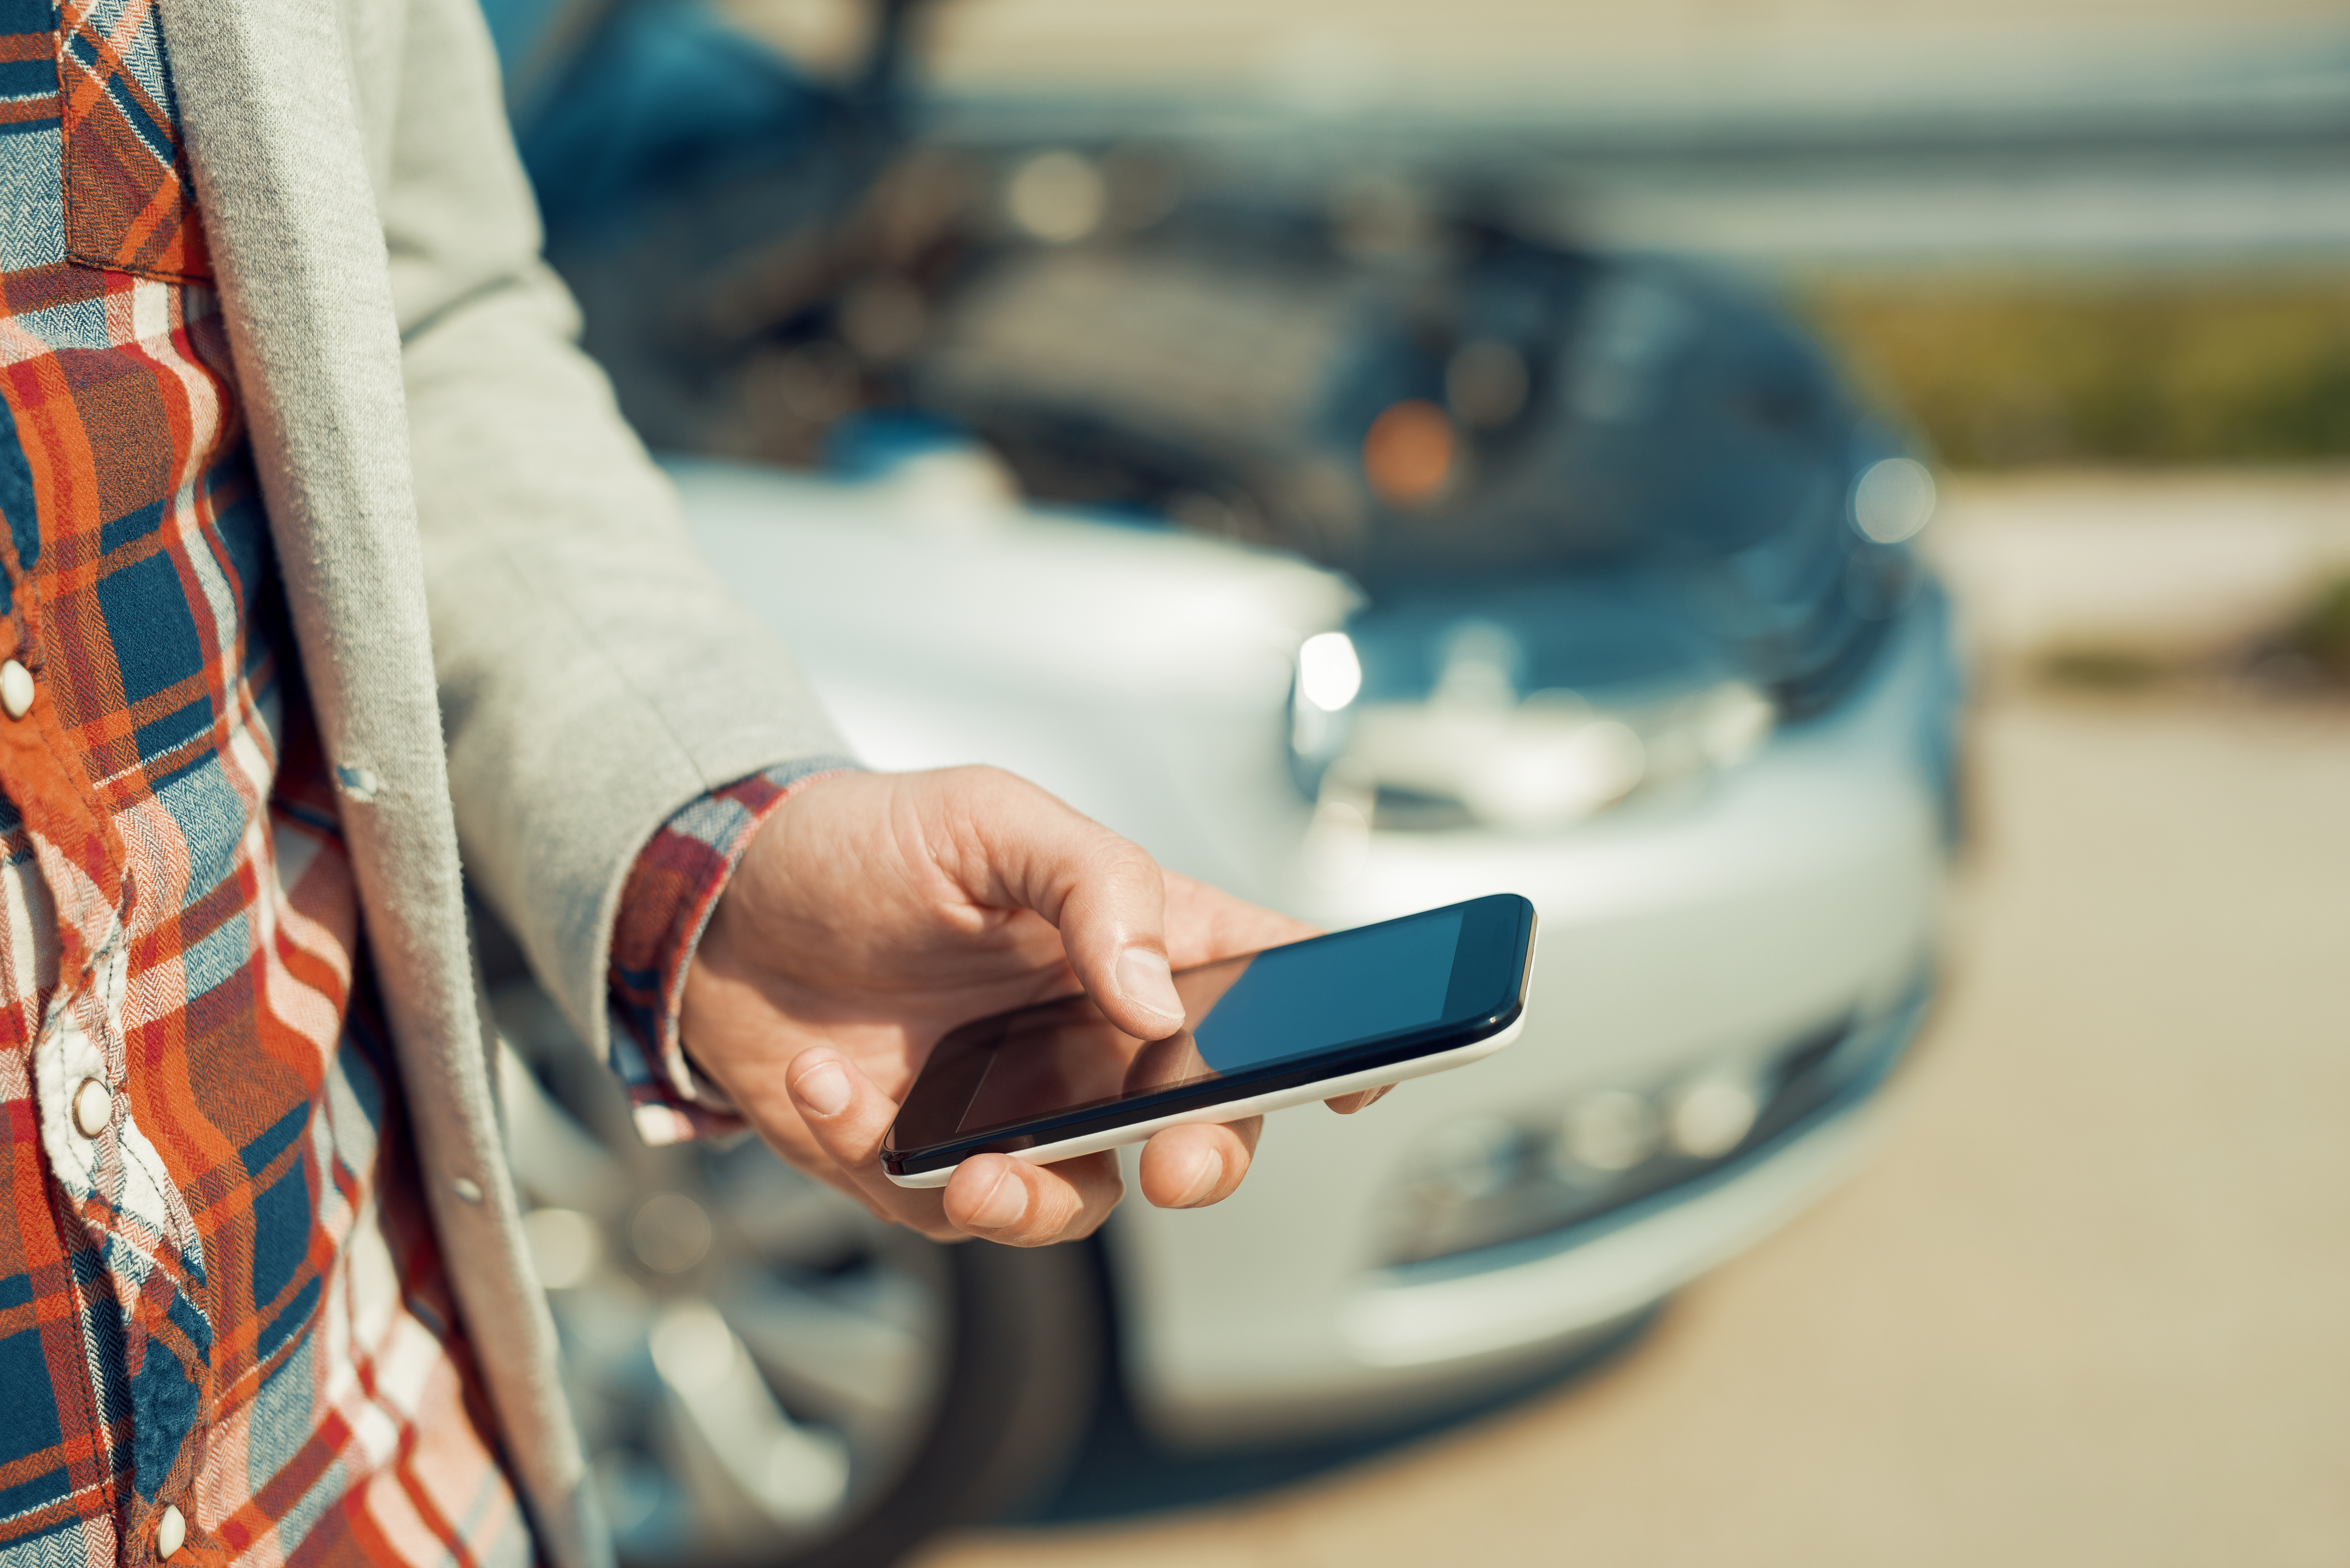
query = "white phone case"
{"x": 1237, "y": 1110}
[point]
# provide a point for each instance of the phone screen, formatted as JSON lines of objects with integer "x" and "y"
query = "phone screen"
{"x": 1258, "y": 1010}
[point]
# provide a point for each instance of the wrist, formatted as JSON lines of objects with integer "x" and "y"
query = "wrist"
{"x": 671, "y": 907}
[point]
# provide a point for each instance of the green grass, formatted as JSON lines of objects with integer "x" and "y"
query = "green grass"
{"x": 2104, "y": 669}
{"x": 2322, "y": 635}
{"x": 2308, "y": 653}
{"x": 2002, "y": 374}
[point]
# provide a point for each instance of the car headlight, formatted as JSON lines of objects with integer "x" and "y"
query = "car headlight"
{"x": 1475, "y": 752}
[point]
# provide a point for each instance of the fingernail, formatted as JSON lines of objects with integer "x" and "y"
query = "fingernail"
{"x": 1145, "y": 978}
{"x": 1005, "y": 1203}
{"x": 1211, "y": 1171}
{"x": 823, "y": 1089}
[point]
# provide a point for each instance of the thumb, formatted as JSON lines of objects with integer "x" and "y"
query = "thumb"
{"x": 1104, "y": 892}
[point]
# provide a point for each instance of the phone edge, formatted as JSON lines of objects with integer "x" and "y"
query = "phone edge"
{"x": 1237, "y": 1110}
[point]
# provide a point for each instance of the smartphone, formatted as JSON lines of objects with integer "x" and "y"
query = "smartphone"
{"x": 1322, "y": 1017}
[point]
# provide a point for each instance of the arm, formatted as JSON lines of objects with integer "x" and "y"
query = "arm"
{"x": 595, "y": 677}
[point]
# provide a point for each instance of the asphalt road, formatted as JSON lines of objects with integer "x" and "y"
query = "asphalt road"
{"x": 2090, "y": 1306}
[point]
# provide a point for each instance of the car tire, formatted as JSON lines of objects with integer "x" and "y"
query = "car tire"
{"x": 765, "y": 1374}
{"x": 1026, "y": 1375}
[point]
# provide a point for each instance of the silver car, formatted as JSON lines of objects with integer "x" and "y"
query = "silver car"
{"x": 1739, "y": 904}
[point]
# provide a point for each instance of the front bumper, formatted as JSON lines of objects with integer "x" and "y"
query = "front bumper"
{"x": 1546, "y": 1288}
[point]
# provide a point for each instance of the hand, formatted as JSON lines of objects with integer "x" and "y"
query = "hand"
{"x": 876, "y": 911}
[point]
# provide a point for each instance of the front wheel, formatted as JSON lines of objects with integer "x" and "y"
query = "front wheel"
{"x": 764, "y": 1373}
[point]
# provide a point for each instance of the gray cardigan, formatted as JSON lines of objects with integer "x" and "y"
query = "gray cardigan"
{"x": 507, "y": 637}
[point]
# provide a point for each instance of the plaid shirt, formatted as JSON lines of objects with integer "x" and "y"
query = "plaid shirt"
{"x": 222, "y": 1306}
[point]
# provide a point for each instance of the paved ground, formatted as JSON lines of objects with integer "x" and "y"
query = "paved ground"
{"x": 1798, "y": 134}
{"x": 1681, "y": 61}
{"x": 1573, "y": 48}
{"x": 2172, "y": 562}
{"x": 2089, "y": 1307}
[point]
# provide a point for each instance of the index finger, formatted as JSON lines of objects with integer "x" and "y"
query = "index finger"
{"x": 1103, "y": 893}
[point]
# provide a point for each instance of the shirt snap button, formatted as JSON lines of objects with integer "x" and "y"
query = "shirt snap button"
{"x": 17, "y": 689}
{"x": 171, "y": 1531}
{"x": 93, "y": 1108}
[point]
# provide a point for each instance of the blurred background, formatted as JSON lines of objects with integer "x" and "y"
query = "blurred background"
{"x": 1846, "y": 505}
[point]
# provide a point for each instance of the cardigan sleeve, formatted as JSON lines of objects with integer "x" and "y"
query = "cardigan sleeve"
{"x": 595, "y": 677}
{"x": 665, "y": 905}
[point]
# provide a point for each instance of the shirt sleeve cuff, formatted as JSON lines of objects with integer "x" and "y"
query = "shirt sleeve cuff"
{"x": 665, "y": 905}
